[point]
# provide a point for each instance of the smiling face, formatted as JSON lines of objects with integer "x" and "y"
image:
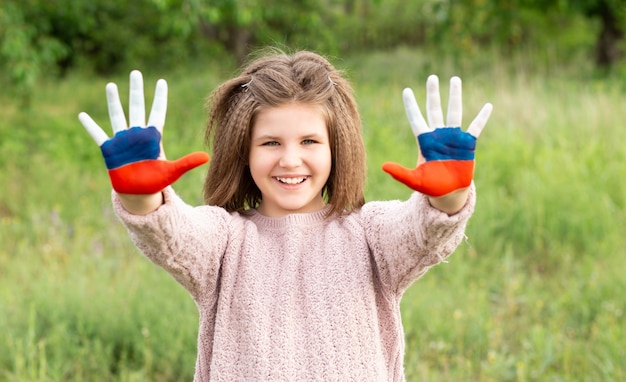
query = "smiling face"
{"x": 290, "y": 158}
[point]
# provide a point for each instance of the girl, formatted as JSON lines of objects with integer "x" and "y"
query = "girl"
{"x": 295, "y": 277}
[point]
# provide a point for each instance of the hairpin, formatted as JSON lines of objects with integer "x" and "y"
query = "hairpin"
{"x": 247, "y": 85}
{"x": 332, "y": 82}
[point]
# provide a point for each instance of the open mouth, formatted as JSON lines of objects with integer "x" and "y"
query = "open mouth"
{"x": 292, "y": 180}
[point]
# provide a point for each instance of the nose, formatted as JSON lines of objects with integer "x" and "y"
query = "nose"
{"x": 291, "y": 157}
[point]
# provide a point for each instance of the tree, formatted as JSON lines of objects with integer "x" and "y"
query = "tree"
{"x": 612, "y": 17}
{"x": 26, "y": 50}
{"x": 239, "y": 25}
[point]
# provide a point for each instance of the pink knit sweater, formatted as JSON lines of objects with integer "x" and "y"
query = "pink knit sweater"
{"x": 303, "y": 297}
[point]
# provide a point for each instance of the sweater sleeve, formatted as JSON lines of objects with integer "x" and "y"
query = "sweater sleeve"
{"x": 408, "y": 238}
{"x": 188, "y": 242}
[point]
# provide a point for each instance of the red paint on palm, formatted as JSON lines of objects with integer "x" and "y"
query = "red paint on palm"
{"x": 152, "y": 176}
{"x": 434, "y": 178}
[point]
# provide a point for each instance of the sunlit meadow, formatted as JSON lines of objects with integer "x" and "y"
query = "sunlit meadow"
{"x": 535, "y": 293}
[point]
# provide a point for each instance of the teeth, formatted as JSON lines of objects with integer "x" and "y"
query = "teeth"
{"x": 291, "y": 180}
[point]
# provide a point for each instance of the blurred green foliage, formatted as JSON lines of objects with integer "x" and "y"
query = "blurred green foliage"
{"x": 53, "y": 36}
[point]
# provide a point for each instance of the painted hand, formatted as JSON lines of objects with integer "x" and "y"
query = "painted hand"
{"x": 134, "y": 156}
{"x": 446, "y": 159}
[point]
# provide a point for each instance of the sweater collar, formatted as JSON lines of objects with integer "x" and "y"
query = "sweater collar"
{"x": 296, "y": 219}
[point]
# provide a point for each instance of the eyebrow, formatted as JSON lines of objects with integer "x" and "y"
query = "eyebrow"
{"x": 264, "y": 137}
{"x": 277, "y": 138}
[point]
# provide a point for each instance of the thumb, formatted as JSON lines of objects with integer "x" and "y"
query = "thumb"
{"x": 151, "y": 176}
{"x": 188, "y": 162}
{"x": 402, "y": 174}
{"x": 434, "y": 178}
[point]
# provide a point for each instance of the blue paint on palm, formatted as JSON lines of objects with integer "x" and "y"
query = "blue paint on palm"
{"x": 447, "y": 143}
{"x": 133, "y": 145}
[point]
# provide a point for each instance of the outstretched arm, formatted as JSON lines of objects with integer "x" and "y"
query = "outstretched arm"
{"x": 445, "y": 166}
{"x": 134, "y": 156}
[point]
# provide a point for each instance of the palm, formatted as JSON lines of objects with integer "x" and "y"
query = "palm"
{"x": 446, "y": 159}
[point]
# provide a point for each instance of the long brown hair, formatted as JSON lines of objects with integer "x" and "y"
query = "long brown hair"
{"x": 270, "y": 81}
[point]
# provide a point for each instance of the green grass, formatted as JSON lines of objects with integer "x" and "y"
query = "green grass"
{"x": 534, "y": 294}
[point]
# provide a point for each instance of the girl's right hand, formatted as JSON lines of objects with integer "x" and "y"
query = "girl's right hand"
{"x": 134, "y": 156}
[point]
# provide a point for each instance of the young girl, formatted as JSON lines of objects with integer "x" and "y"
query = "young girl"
{"x": 295, "y": 277}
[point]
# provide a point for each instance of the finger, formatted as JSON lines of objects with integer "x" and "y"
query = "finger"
{"x": 413, "y": 113}
{"x": 116, "y": 112}
{"x": 190, "y": 161}
{"x": 478, "y": 124}
{"x": 92, "y": 128}
{"x": 455, "y": 103}
{"x": 136, "y": 108}
{"x": 159, "y": 106}
{"x": 433, "y": 102}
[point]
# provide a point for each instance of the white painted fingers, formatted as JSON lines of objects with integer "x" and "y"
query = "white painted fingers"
{"x": 98, "y": 135}
{"x": 433, "y": 103}
{"x": 455, "y": 103}
{"x": 159, "y": 106}
{"x": 136, "y": 102}
{"x": 479, "y": 123}
{"x": 116, "y": 112}
{"x": 414, "y": 115}
{"x": 434, "y": 111}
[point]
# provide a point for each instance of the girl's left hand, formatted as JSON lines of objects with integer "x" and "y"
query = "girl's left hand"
{"x": 446, "y": 158}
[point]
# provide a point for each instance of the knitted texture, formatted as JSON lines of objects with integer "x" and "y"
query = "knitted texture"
{"x": 303, "y": 297}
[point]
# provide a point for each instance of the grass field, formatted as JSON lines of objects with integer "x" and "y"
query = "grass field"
{"x": 536, "y": 293}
